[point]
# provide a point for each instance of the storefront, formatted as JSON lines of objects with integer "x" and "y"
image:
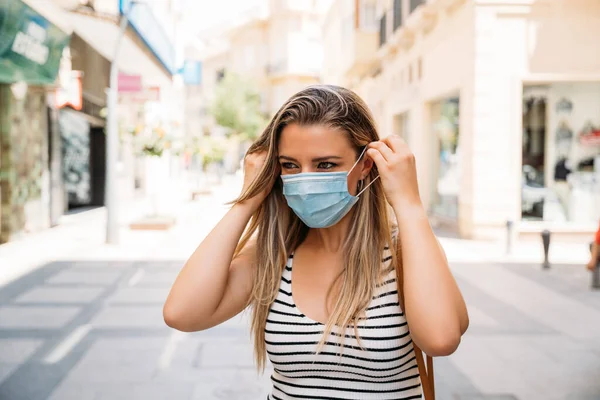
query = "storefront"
{"x": 561, "y": 152}
{"x": 30, "y": 51}
{"x": 503, "y": 112}
{"x": 446, "y": 159}
{"x": 80, "y": 98}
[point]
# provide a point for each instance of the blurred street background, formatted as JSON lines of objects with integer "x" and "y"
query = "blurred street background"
{"x": 114, "y": 165}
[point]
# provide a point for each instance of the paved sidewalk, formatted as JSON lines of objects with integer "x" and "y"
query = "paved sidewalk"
{"x": 87, "y": 325}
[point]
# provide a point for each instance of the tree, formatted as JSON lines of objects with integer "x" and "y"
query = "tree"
{"x": 237, "y": 107}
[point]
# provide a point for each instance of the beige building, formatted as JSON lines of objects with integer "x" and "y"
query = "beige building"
{"x": 499, "y": 100}
{"x": 277, "y": 47}
{"x": 280, "y": 49}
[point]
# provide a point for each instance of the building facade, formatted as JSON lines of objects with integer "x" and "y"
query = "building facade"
{"x": 499, "y": 106}
{"x": 280, "y": 49}
{"x": 53, "y": 81}
{"x": 29, "y": 63}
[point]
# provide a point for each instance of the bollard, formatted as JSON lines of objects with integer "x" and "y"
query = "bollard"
{"x": 546, "y": 243}
{"x": 509, "y": 229}
{"x": 596, "y": 272}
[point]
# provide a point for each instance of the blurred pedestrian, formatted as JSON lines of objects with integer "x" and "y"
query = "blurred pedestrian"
{"x": 595, "y": 256}
{"x": 315, "y": 223}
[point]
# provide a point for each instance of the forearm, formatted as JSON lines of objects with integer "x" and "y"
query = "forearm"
{"x": 435, "y": 309}
{"x": 200, "y": 285}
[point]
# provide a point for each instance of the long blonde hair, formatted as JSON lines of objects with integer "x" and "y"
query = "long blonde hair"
{"x": 279, "y": 231}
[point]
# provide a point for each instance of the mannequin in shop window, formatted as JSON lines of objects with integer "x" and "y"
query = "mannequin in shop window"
{"x": 564, "y": 138}
{"x": 595, "y": 258}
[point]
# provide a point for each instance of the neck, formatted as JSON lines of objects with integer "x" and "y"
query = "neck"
{"x": 330, "y": 240}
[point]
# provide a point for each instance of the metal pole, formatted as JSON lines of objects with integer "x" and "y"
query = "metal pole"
{"x": 595, "y": 272}
{"x": 509, "y": 236}
{"x": 546, "y": 243}
{"x": 112, "y": 141}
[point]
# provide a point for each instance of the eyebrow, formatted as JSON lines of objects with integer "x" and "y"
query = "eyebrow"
{"x": 318, "y": 159}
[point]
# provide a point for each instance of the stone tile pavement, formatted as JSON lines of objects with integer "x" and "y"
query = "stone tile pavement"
{"x": 94, "y": 330}
{"x": 88, "y": 325}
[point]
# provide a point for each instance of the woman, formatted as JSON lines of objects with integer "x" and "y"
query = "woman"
{"x": 319, "y": 253}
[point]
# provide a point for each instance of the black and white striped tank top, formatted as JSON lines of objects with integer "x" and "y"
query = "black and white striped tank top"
{"x": 385, "y": 369}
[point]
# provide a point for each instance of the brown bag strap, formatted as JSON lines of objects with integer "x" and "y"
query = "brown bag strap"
{"x": 425, "y": 372}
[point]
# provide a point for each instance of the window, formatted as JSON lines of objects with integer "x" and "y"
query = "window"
{"x": 368, "y": 17}
{"x": 414, "y": 4}
{"x": 410, "y": 74}
{"x": 220, "y": 74}
{"x": 397, "y": 14}
{"x": 382, "y": 29}
{"x": 419, "y": 69}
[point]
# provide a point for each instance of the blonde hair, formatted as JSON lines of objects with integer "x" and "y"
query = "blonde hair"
{"x": 279, "y": 231}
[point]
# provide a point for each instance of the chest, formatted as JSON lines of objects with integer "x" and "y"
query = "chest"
{"x": 383, "y": 342}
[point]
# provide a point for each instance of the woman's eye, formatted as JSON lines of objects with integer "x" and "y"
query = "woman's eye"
{"x": 288, "y": 165}
{"x": 326, "y": 165}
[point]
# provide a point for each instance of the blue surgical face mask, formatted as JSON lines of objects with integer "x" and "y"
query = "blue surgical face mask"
{"x": 320, "y": 199}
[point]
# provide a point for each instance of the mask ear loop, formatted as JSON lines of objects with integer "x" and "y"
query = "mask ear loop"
{"x": 355, "y": 164}
{"x": 366, "y": 187}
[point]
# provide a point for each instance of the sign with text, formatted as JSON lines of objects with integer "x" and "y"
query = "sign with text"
{"x": 30, "y": 46}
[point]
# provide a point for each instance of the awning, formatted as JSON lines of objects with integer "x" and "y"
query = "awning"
{"x": 30, "y": 45}
{"x": 102, "y": 35}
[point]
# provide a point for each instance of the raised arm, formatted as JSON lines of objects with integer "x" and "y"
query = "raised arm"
{"x": 434, "y": 307}
{"x": 213, "y": 287}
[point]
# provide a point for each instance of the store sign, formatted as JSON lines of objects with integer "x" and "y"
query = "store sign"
{"x": 70, "y": 92}
{"x": 30, "y": 43}
{"x": 151, "y": 93}
{"x": 30, "y": 46}
{"x": 192, "y": 72}
{"x": 147, "y": 26}
{"x": 129, "y": 83}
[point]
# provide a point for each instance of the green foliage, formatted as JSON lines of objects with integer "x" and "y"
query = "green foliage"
{"x": 237, "y": 107}
{"x": 210, "y": 149}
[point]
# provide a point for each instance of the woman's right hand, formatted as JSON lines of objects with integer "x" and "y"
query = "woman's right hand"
{"x": 253, "y": 164}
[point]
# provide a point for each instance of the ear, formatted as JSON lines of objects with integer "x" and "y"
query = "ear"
{"x": 367, "y": 165}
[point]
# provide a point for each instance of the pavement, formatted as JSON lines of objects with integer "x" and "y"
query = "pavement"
{"x": 81, "y": 320}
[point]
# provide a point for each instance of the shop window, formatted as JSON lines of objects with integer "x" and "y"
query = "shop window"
{"x": 447, "y": 183}
{"x": 533, "y": 192}
{"x": 561, "y": 153}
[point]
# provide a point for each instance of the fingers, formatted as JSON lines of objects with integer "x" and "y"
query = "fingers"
{"x": 383, "y": 148}
{"x": 394, "y": 142}
{"x": 375, "y": 154}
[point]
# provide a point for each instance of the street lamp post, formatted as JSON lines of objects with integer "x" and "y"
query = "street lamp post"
{"x": 112, "y": 139}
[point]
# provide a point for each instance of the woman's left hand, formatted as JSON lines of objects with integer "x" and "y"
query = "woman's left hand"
{"x": 396, "y": 165}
